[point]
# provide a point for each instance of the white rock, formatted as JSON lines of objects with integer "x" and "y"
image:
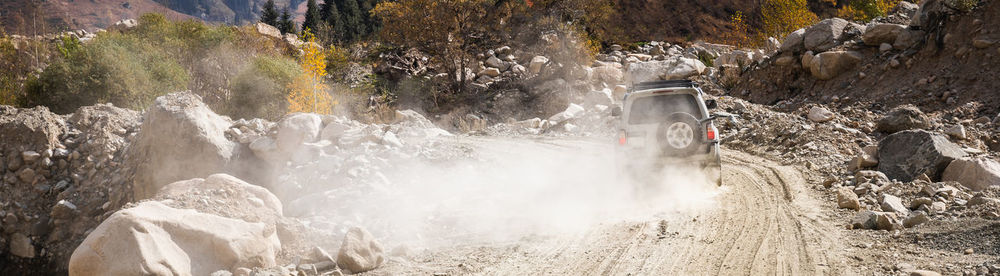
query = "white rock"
{"x": 819, "y": 114}
{"x": 536, "y": 64}
{"x": 360, "y": 252}
{"x": 152, "y": 238}
{"x": 297, "y": 129}
{"x": 955, "y": 131}
{"x": 267, "y": 30}
{"x": 571, "y": 112}
{"x": 180, "y": 138}
{"x": 974, "y": 173}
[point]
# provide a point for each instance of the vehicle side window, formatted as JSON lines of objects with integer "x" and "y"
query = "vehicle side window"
{"x": 652, "y": 110}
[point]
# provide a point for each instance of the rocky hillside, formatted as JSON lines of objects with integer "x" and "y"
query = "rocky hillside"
{"x": 31, "y": 17}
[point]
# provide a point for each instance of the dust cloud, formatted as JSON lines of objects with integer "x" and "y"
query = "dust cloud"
{"x": 507, "y": 189}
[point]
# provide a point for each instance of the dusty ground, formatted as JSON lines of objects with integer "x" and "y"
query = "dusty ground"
{"x": 764, "y": 221}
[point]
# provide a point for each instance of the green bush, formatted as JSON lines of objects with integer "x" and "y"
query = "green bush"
{"x": 122, "y": 69}
{"x": 259, "y": 90}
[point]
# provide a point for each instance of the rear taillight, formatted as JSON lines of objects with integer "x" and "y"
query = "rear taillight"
{"x": 622, "y": 138}
{"x": 710, "y": 133}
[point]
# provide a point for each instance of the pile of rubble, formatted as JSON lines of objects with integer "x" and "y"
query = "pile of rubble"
{"x": 190, "y": 179}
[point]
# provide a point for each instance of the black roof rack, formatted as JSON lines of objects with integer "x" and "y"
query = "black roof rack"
{"x": 664, "y": 84}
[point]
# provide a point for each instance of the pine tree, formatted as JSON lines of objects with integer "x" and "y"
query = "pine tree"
{"x": 331, "y": 15}
{"x": 354, "y": 26}
{"x": 312, "y": 19}
{"x": 286, "y": 24}
{"x": 371, "y": 22}
{"x": 269, "y": 14}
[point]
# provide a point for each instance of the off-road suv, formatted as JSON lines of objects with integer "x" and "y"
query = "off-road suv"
{"x": 667, "y": 123}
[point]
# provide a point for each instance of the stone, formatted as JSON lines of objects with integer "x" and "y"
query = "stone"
{"x": 982, "y": 43}
{"x": 267, "y": 30}
{"x": 608, "y": 74}
{"x": 820, "y": 114}
{"x": 784, "y": 61}
{"x": 891, "y": 203}
{"x": 30, "y": 156}
{"x": 974, "y": 173}
{"x": 297, "y": 129}
{"x": 865, "y": 176}
{"x": 885, "y": 47}
{"x": 828, "y": 65}
{"x": 518, "y": 69}
{"x": 63, "y": 210}
{"x": 794, "y": 41}
{"x": 20, "y": 245}
{"x": 490, "y": 72}
{"x": 26, "y": 175}
{"x": 879, "y": 33}
{"x": 360, "y": 252}
{"x": 887, "y": 221}
{"x": 572, "y": 111}
{"x": 244, "y": 201}
{"x": 864, "y": 220}
{"x": 824, "y": 35}
{"x": 904, "y": 117}
{"x": 180, "y": 138}
{"x": 847, "y": 199}
{"x": 334, "y": 129}
{"x": 619, "y": 91}
{"x": 920, "y": 201}
{"x": 669, "y": 69}
{"x": 908, "y": 154}
{"x": 980, "y": 200}
{"x": 955, "y": 131}
{"x": 152, "y": 238}
{"x": 495, "y": 62}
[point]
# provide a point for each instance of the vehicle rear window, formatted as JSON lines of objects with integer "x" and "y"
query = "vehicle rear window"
{"x": 652, "y": 110}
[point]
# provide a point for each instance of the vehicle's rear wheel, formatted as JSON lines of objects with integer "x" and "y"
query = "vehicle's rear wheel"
{"x": 680, "y": 134}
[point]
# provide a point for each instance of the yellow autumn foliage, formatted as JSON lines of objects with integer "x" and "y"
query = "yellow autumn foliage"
{"x": 308, "y": 92}
{"x": 782, "y": 17}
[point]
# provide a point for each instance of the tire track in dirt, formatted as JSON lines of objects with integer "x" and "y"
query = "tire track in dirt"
{"x": 764, "y": 222}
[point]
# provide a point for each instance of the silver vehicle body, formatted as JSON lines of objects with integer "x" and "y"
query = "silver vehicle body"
{"x": 639, "y": 138}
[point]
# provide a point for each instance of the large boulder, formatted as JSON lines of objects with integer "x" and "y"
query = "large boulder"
{"x": 223, "y": 195}
{"x": 904, "y": 117}
{"x": 152, "y": 238}
{"x": 975, "y": 173}
{"x": 878, "y": 33}
{"x": 828, "y": 65}
{"x": 824, "y": 35}
{"x": 906, "y": 155}
{"x": 794, "y": 42}
{"x": 180, "y": 138}
{"x": 268, "y": 30}
{"x": 360, "y": 252}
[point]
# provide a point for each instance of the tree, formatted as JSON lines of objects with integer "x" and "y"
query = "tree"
{"x": 308, "y": 92}
{"x": 449, "y": 31}
{"x": 354, "y": 25}
{"x": 269, "y": 14}
{"x": 312, "y": 18}
{"x": 782, "y": 17}
{"x": 286, "y": 25}
{"x": 331, "y": 17}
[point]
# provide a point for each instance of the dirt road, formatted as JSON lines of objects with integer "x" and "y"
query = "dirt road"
{"x": 762, "y": 222}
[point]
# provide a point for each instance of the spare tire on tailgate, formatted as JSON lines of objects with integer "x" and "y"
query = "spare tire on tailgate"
{"x": 680, "y": 134}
